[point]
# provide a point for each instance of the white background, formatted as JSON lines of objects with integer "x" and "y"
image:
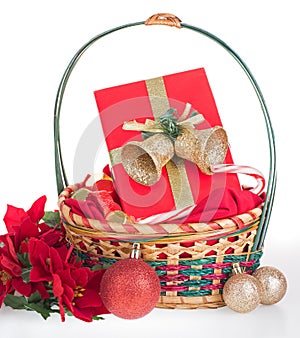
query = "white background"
{"x": 38, "y": 39}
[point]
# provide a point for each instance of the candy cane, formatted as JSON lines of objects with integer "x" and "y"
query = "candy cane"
{"x": 216, "y": 169}
{"x": 242, "y": 169}
{"x": 166, "y": 216}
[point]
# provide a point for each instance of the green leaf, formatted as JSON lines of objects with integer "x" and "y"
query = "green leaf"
{"x": 147, "y": 134}
{"x": 21, "y": 303}
{"x": 35, "y": 297}
{"x": 15, "y": 302}
{"x": 194, "y": 113}
{"x": 51, "y": 218}
{"x": 24, "y": 259}
{"x": 99, "y": 267}
{"x": 26, "y": 274}
{"x": 39, "y": 308}
{"x": 97, "y": 318}
{"x": 170, "y": 113}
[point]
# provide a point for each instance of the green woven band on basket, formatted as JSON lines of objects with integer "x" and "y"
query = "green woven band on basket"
{"x": 201, "y": 277}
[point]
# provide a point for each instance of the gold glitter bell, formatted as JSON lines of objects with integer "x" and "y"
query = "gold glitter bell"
{"x": 205, "y": 147}
{"x": 143, "y": 161}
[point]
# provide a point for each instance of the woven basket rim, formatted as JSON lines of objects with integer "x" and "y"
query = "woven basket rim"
{"x": 112, "y": 230}
{"x": 184, "y": 237}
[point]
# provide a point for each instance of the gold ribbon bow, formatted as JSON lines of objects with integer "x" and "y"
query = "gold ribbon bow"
{"x": 154, "y": 126}
{"x": 169, "y": 135}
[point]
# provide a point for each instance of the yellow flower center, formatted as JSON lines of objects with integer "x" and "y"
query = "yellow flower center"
{"x": 4, "y": 277}
{"x": 78, "y": 292}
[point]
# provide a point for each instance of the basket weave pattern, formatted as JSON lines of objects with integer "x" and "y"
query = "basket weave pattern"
{"x": 198, "y": 283}
{"x": 192, "y": 266}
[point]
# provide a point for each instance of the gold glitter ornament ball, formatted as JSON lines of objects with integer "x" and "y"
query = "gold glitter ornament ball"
{"x": 273, "y": 282}
{"x": 242, "y": 293}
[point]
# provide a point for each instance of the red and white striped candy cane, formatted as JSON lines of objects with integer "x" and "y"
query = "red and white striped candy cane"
{"x": 242, "y": 169}
{"x": 219, "y": 168}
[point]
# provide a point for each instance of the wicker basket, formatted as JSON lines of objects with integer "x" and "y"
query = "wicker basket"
{"x": 193, "y": 261}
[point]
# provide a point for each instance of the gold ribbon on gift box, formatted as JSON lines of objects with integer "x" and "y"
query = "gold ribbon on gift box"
{"x": 170, "y": 140}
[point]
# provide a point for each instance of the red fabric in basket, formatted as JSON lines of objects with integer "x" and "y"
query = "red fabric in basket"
{"x": 220, "y": 204}
{"x": 224, "y": 203}
{"x": 87, "y": 209}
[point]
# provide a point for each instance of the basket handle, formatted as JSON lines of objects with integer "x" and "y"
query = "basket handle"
{"x": 164, "y": 19}
{"x": 173, "y": 21}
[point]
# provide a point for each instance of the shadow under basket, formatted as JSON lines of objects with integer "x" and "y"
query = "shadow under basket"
{"x": 192, "y": 266}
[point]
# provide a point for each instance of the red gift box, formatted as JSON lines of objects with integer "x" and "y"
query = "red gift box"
{"x": 181, "y": 185}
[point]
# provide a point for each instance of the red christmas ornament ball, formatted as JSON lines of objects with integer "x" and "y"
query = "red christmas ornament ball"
{"x": 130, "y": 288}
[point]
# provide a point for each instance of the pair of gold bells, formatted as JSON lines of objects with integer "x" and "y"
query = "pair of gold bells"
{"x": 143, "y": 161}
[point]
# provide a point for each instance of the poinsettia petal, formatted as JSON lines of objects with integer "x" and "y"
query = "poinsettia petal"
{"x": 95, "y": 279}
{"x": 83, "y": 314}
{"x": 40, "y": 287}
{"x": 81, "y": 276}
{"x": 68, "y": 294}
{"x": 38, "y": 274}
{"x": 36, "y": 212}
{"x": 44, "y": 227}
{"x": 51, "y": 237}
{"x": 61, "y": 309}
{"x": 23, "y": 247}
{"x": 56, "y": 262}
{"x": 90, "y": 298}
{"x": 90, "y": 303}
{"x": 38, "y": 251}
{"x": 11, "y": 248}
{"x": 14, "y": 217}
{"x": 58, "y": 289}
{"x": 86, "y": 313}
{"x": 23, "y": 288}
{"x": 27, "y": 229}
{"x": 10, "y": 266}
{"x": 39, "y": 259}
{"x": 67, "y": 279}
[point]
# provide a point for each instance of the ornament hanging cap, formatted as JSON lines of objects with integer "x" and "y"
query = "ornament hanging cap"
{"x": 236, "y": 269}
{"x": 135, "y": 251}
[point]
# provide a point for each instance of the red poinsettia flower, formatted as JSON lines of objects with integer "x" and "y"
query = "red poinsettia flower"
{"x": 21, "y": 226}
{"x": 11, "y": 272}
{"x": 8, "y": 267}
{"x": 87, "y": 302}
{"x": 26, "y": 224}
{"x": 54, "y": 237}
{"x": 73, "y": 285}
{"x": 4, "y": 285}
